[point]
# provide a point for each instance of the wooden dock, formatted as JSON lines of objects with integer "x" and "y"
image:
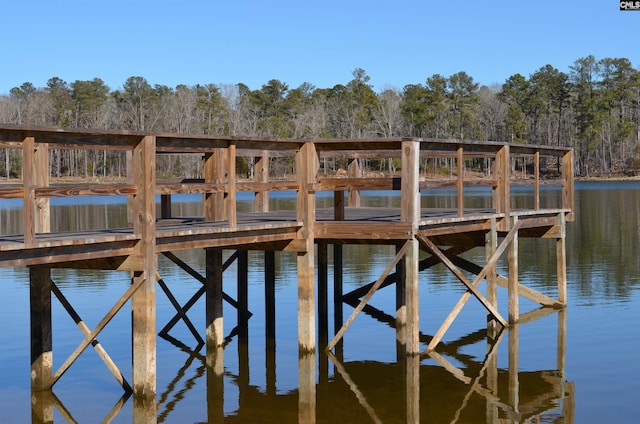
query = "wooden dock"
{"x": 443, "y": 233}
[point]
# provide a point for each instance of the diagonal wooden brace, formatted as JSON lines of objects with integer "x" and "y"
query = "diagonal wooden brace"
{"x": 195, "y": 274}
{"x": 472, "y": 287}
{"x": 95, "y": 343}
{"x": 178, "y": 308}
{"x": 89, "y": 338}
{"x": 368, "y": 296}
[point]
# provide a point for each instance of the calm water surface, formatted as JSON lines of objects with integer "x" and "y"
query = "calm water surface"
{"x": 578, "y": 366}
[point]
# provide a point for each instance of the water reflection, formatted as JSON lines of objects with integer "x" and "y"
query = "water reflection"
{"x": 44, "y": 403}
{"x": 445, "y": 386}
{"x": 473, "y": 379}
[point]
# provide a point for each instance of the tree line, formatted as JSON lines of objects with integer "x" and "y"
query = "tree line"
{"x": 594, "y": 108}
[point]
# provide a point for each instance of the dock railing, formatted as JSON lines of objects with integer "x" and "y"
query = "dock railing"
{"x": 440, "y": 165}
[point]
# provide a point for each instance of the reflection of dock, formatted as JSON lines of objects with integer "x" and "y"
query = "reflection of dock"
{"x": 444, "y": 233}
{"x": 410, "y": 389}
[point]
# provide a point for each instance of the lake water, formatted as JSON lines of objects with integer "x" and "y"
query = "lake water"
{"x": 580, "y": 365}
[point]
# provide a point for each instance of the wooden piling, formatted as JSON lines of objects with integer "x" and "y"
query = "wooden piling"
{"x": 143, "y": 301}
{"x": 307, "y": 166}
{"x": 270, "y": 296}
{"x": 41, "y": 336}
{"x": 243, "y": 295}
{"x": 323, "y": 303}
{"x": 491, "y": 246}
{"x": 213, "y": 295}
{"x": 338, "y": 316}
{"x": 401, "y": 308}
{"x": 512, "y": 288}
{"x": 410, "y": 213}
{"x": 306, "y": 169}
{"x": 561, "y": 259}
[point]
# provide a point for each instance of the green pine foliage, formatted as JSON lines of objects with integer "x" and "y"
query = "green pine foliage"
{"x": 594, "y": 108}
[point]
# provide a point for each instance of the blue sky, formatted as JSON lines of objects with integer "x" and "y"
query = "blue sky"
{"x": 397, "y": 42}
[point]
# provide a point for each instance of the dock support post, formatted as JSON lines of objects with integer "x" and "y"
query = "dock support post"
{"x": 270, "y": 319}
{"x": 214, "y": 333}
{"x": 410, "y": 213}
{"x": 401, "y": 308}
{"x": 243, "y": 296}
{"x": 270, "y": 296}
{"x": 323, "y": 285}
{"x": 491, "y": 245}
{"x": 561, "y": 258}
{"x": 213, "y": 296}
{"x": 41, "y": 340}
{"x": 338, "y": 315}
{"x": 143, "y": 301}
{"x": 307, "y": 164}
{"x": 512, "y": 285}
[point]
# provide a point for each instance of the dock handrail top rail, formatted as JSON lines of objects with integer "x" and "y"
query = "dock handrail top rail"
{"x": 196, "y": 143}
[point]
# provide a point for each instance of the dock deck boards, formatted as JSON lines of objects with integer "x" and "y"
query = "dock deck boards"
{"x": 364, "y": 224}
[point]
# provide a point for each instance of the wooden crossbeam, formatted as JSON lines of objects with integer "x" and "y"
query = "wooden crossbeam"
{"x": 195, "y": 274}
{"x": 89, "y": 338}
{"x": 393, "y": 278}
{"x": 470, "y": 286}
{"x": 95, "y": 343}
{"x": 368, "y": 296}
{"x": 179, "y": 309}
{"x": 173, "y": 321}
{"x": 502, "y": 281}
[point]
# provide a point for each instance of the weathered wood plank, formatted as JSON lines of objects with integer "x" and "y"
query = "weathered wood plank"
{"x": 350, "y": 230}
{"x": 357, "y": 183}
{"x": 74, "y": 190}
{"x": 72, "y": 254}
{"x": 11, "y": 192}
{"x": 190, "y": 188}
